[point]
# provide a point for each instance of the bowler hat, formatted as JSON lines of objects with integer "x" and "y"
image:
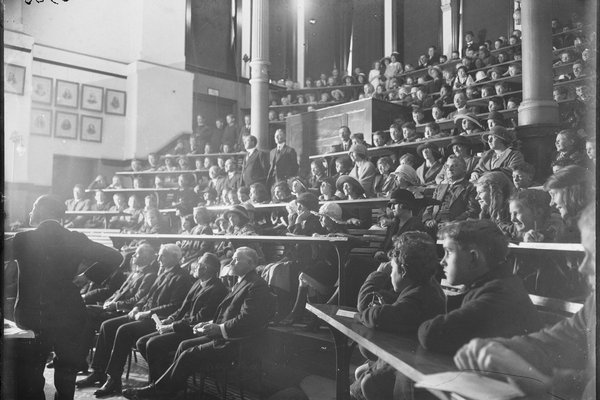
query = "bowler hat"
{"x": 346, "y": 178}
{"x": 238, "y": 210}
{"x": 459, "y": 140}
{"x": 308, "y": 200}
{"x": 496, "y": 117}
{"x": 402, "y": 196}
{"x": 506, "y": 135}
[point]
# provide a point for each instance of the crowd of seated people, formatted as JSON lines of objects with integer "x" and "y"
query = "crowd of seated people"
{"x": 479, "y": 202}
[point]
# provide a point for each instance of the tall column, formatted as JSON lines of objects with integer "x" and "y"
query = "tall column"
{"x": 300, "y": 44}
{"x": 259, "y": 81}
{"x": 537, "y": 107}
{"x": 246, "y": 37}
{"x": 449, "y": 26}
{"x": 390, "y": 26}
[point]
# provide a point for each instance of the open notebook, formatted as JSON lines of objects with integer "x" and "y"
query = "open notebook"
{"x": 470, "y": 385}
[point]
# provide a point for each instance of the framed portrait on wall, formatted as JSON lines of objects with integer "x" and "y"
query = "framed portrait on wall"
{"x": 14, "y": 79}
{"x": 92, "y": 98}
{"x": 115, "y": 102}
{"x": 67, "y": 94}
{"x": 65, "y": 125}
{"x": 41, "y": 122}
{"x": 41, "y": 89}
{"x": 91, "y": 128}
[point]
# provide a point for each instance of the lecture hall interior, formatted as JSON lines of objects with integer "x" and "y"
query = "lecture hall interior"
{"x": 300, "y": 199}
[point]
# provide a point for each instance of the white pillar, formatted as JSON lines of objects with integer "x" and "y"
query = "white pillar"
{"x": 449, "y": 26}
{"x": 259, "y": 81}
{"x": 246, "y": 37}
{"x": 538, "y": 105}
{"x": 390, "y": 26}
{"x": 300, "y": 43}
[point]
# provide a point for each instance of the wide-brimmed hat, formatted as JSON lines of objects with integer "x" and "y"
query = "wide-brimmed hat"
{"x": 506, "y": 135}
{"x": 238, "y": 210}
{"x": 468, "y": 116}
{"x": 480, "y": 76}
{"x": 299, "y": 179}
{"x": 346, "y": 178}
{"x": 337, "y": 91}
{"x": 308, "y": 200}
{"x": 331, "y": 210}
{"x": 427, "y": 145}
{"x": 498, "y": 70}
{"x": 358, "y": 148}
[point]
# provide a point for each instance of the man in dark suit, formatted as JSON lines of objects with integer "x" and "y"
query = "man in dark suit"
{"x": 243, "y": 314}
{"x": 345, "y": 141}
{"x": 457, "y": 198}
{"x": 118, "y": 335}
{"x": 283, "y": 160}
{"x": 48, "y": 300}
{"x": 199, "y": 305}
{"x": 256, "y": 163}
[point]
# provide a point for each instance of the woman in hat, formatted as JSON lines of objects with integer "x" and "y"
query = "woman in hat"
{"x": 350, "y": 187}
{"x": 318, "y": 172}
{"x": 394, "y": 67}
{"x": 375, "y": 74}
{"x": 337, "y": 95}
{"x": 298, "y": 185}
{"x": 568, "y": 147}
{"x": 406, "y": 175}
{"x": 494, "y": 189}
{"x": 500, "y": 156}
{"x": 432, "y": 165}
{"x": 468, "y": 124}
{"x": 192, "y": 249}
{"x": 364, "y": 171}
{"x": 463, "y": 79}
{"x": 495, "y": 118}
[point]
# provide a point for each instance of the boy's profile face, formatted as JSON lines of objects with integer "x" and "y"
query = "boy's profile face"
{"x": 456, "y": 262}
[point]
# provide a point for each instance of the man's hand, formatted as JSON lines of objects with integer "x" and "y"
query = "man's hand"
{"x": 109, "y": 306}
{"x": 198, "y": 329}
{"x": 211, "y": 330}
{"x": 142, "y": 315}
{"x": 353, "y": 221}
{"x": 489, "y": 357}
{"x": 385, "y": 267}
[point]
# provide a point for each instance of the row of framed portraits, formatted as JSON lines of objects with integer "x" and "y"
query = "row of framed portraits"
{"x": 91, "y": 98}
{"x": 65, "y": 93}
{"x": 66, "y": 125}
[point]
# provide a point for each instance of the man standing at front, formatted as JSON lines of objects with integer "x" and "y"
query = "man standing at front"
{"x": 284, "y": 161}
{"x": 244, "y": 312}
{"x": 48, "y": 300}
{"x": 256, "y": 163}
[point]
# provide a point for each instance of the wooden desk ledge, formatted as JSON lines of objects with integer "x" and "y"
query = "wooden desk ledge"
{"x": 541, "y": 246}
{"x": 139, "y": 190}
{"x": 254, "y": 238}
{"x": 155, "y": 173}
{"x": 225, "y": 155}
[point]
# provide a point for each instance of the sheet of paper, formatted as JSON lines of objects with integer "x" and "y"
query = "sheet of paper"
{"x": 344, "y": 313}
{"x": 470, "y": 385}
{"x": 156, "y": 320}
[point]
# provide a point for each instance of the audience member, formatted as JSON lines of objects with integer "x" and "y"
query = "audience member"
{"x": 558, "y": 359}
{"x": 432, "y": 165}
{"x": 495, "y": 302}
{"x": 500, "y": 156}
{"x": 283, "y": 160}
{"x": 256, "y": 163}
{"x": 494, "y": 189}
{"x": 77, "y": 203}
{"x": 363, "y": 171}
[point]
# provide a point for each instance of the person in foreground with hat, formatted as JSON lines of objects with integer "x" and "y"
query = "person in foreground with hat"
{"x": 397, "y": 299}
{"x": 460, "y": 146}
{"x": 363, "y": 171}
{"x": 457, "y": 197}
{"x": 432, "y": 164}
{"x": 500, "y": 156}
